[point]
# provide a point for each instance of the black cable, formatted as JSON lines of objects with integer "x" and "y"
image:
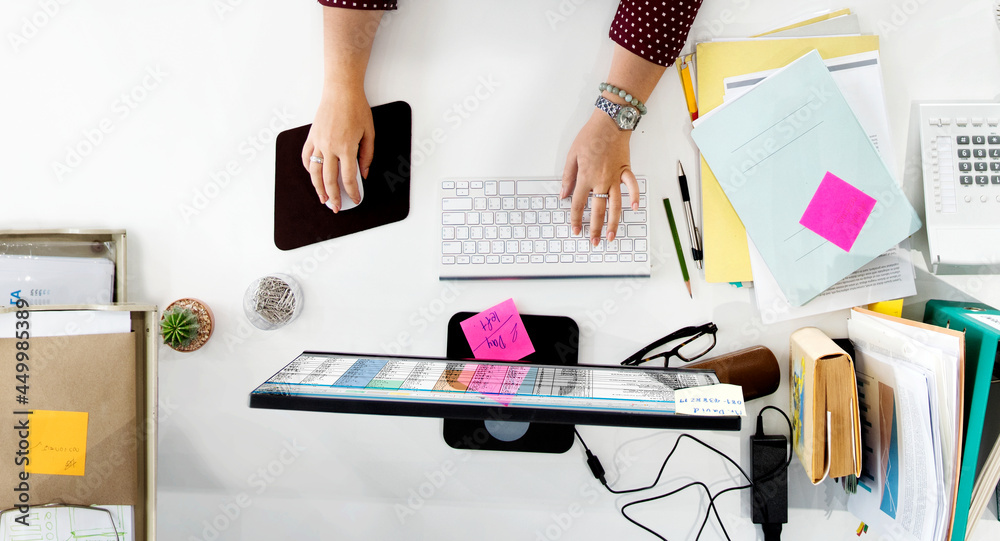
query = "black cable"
{"x": 772, "y": 532}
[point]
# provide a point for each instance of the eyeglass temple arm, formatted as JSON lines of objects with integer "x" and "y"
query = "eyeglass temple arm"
{"x": 637, "y": 357}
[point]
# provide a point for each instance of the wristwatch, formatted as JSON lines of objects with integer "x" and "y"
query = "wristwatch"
{"x": 626, "y": 116}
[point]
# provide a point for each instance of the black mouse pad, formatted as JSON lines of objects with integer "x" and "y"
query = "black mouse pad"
{"x": 557, "y": 341}
{"x": 300, "y": 219}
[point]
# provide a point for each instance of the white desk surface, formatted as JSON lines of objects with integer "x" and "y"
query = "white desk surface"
{"x": 184, "y": 89}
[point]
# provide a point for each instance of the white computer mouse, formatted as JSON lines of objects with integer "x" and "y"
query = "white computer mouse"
{"x": 345, "y": 200}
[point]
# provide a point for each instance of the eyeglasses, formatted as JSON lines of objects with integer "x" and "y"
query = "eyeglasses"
{"x": 699, "y": 341}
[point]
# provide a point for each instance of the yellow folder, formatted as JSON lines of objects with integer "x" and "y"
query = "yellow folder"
{"x": 727, "y": 258}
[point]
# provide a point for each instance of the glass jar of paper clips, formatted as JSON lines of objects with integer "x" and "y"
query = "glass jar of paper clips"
{"x": 272, "y": 301}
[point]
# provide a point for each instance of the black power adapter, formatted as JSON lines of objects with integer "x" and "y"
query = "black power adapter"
{"x": 769, "y": 495}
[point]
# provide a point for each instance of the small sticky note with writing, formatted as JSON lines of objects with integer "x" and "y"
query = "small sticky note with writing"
{"x": 57, "y": 442}
{"x": 837, "y": 211}
{"x": 498, "y": 333}
{"x": 710, "y": 400}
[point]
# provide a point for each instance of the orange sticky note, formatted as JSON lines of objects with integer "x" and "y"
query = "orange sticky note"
{"x": 57, "y": 442}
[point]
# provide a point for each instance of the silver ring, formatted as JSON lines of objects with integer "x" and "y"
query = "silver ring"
{"x": 316, "y": 159}
{"x": 601, "y": 195}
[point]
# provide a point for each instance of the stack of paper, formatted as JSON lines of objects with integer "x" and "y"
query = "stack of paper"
{"x": 805, "y": 179}
{"x": 50, "y": 280}
{"x": 726, "y": 70}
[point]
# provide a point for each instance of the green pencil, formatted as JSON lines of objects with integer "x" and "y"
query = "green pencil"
{"x": 677, "y": 244}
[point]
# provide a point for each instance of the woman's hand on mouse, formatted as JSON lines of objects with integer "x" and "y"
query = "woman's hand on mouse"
{"x": 342, "y": 137}
{"x": 598, "y": 162}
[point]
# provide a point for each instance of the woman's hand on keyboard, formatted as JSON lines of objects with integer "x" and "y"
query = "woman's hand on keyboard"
{"x": 598, "y": 162}
{"x": 342, "y": 126}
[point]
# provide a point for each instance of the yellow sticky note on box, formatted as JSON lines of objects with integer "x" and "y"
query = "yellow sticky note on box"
{"x": 889, "y": 308}
{"x": 57, "y": 442}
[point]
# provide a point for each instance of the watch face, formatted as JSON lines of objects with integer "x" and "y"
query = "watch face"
{"x": 627, "y": 117}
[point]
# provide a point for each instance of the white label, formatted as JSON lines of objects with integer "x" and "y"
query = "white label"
{"x": 710, "y": 400}
{"x": 990, "y": 319}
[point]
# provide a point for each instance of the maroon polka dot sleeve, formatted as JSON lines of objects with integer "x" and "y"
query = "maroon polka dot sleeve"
{"x": 654, "y": 29}
{"x": 360, "y": 4}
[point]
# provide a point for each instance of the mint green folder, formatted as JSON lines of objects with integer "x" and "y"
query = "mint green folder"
{"x": 771, "y": 148}
{"x": 981, "y": 324}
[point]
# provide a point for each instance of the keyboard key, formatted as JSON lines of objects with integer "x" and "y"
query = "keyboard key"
{"x": 537, "y": 202}
{"x": 448, "y": 185}
{"x": 640, "y": 257}
{"x": 541, "y": 246}
{"x": 506, "y": 259}
{"x": 477, "y": 185}
{"x": 642, "y": 201}
{"x": 979, "y": 153}
{"x": 537, "y": 258}
{"x": 566, "y": 203}
{"x": 555, "y": 246}
{"x": 981, "y": 166}
{"x": 625, "y": 258}
{"x": 626, "y": 244}
{"x": 526, "y": 246}
{"x": 995, "y": 179}
{"x": 461, "y": 232}
{"x": 566, "y": 258}
{"x": 531, "y": 217}
{"x": 453, "y": 218}
{"x": 523, "y": 203}
{"x": 982, "y": 180}
{"x": 469, "y": 247}
{"x": 478, "y": 259}
{"x": 448, "y": 259}
{"x": 538, "y": 187}
{"x": 964, "y": 153}
{"x": 493, "y": 203}
{"x": 451, "y": 247}
{"x": 962, "y": 139}
{"x": 548, "y": 232}
{"x": 534, "y": 232}
{"x": 613, "y": 245}
{"x": 490, "y": 187}
{"x": 551, "y": 258}
{"x": 596, "y": 258}
{"x": 640, "y": 246}
{"x": 964, "y": 166}
{"x": 516, "y": 217}
{"x": 580, "y": 258}
{"x": 966, "y": 180}
{"x": 503, "y": 218}
{"x": 552, "y": 202}
{"x": 994, "y": 139}
{"x": 497, "y": 246}
{"x": 637, "y": 230}
{"x": 483, "y": 247}
{"x": 472, "y": 218}
{"x": 995, "y": 166}
{"x": 462, "y": 259}
{"x": 544, "y": 217}
{"x": 510, "y": 246}
{"x": 507, "y": 203}
{"x": 634, "y": 216}
{"x": 456, "y": 203}
{"x": 520, "y": 232}
{"x": 610, "y": 258}
{"x": 506, "y": 187}
{"x": 462, "y": 192}
{"x": 506, "y": 232}
{"x": 476, "y": 232}
{"x": 447, "y": 233}
{"x": 978, "y": 140}
{"x": 562, "y": 231}
{"x": 492, "y": 259}
{"x": 600, "y": 246}
{"x": 995, "y": 153}
{"x": 486, "y": 218}
{"x": 490, "y": 232}
{"x": 479, "y": 203}
{"x": 520, "y": 259}
{"x": 583, "y": 246}
{"x": 561, "y": 217}
{"x": 569, "y": 246}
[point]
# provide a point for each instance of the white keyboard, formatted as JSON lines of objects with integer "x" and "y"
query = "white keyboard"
{"x": 519, "y": 228}
{"x": 960, "y": 149}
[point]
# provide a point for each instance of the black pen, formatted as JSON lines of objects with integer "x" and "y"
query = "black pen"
{"x": 696, "y": 252}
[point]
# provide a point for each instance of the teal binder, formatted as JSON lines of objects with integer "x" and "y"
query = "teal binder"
{"x": 981, "y": 324}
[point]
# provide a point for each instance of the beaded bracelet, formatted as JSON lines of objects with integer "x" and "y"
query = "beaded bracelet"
{"x": 623, "y": 94}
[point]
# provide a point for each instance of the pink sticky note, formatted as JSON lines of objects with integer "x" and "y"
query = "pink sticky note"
{"x": 838, "y": 211}
{"x": 498, "y": 334}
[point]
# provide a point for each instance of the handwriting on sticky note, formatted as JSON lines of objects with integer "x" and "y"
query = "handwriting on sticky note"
{"x": 57, "y": 442}
{"x": 710, "y": 400}
{"x": 837, "y": 211}
{"x": 498, "y": 333}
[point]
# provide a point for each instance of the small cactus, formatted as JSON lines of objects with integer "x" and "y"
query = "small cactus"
{"x": 178, "y": 327}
